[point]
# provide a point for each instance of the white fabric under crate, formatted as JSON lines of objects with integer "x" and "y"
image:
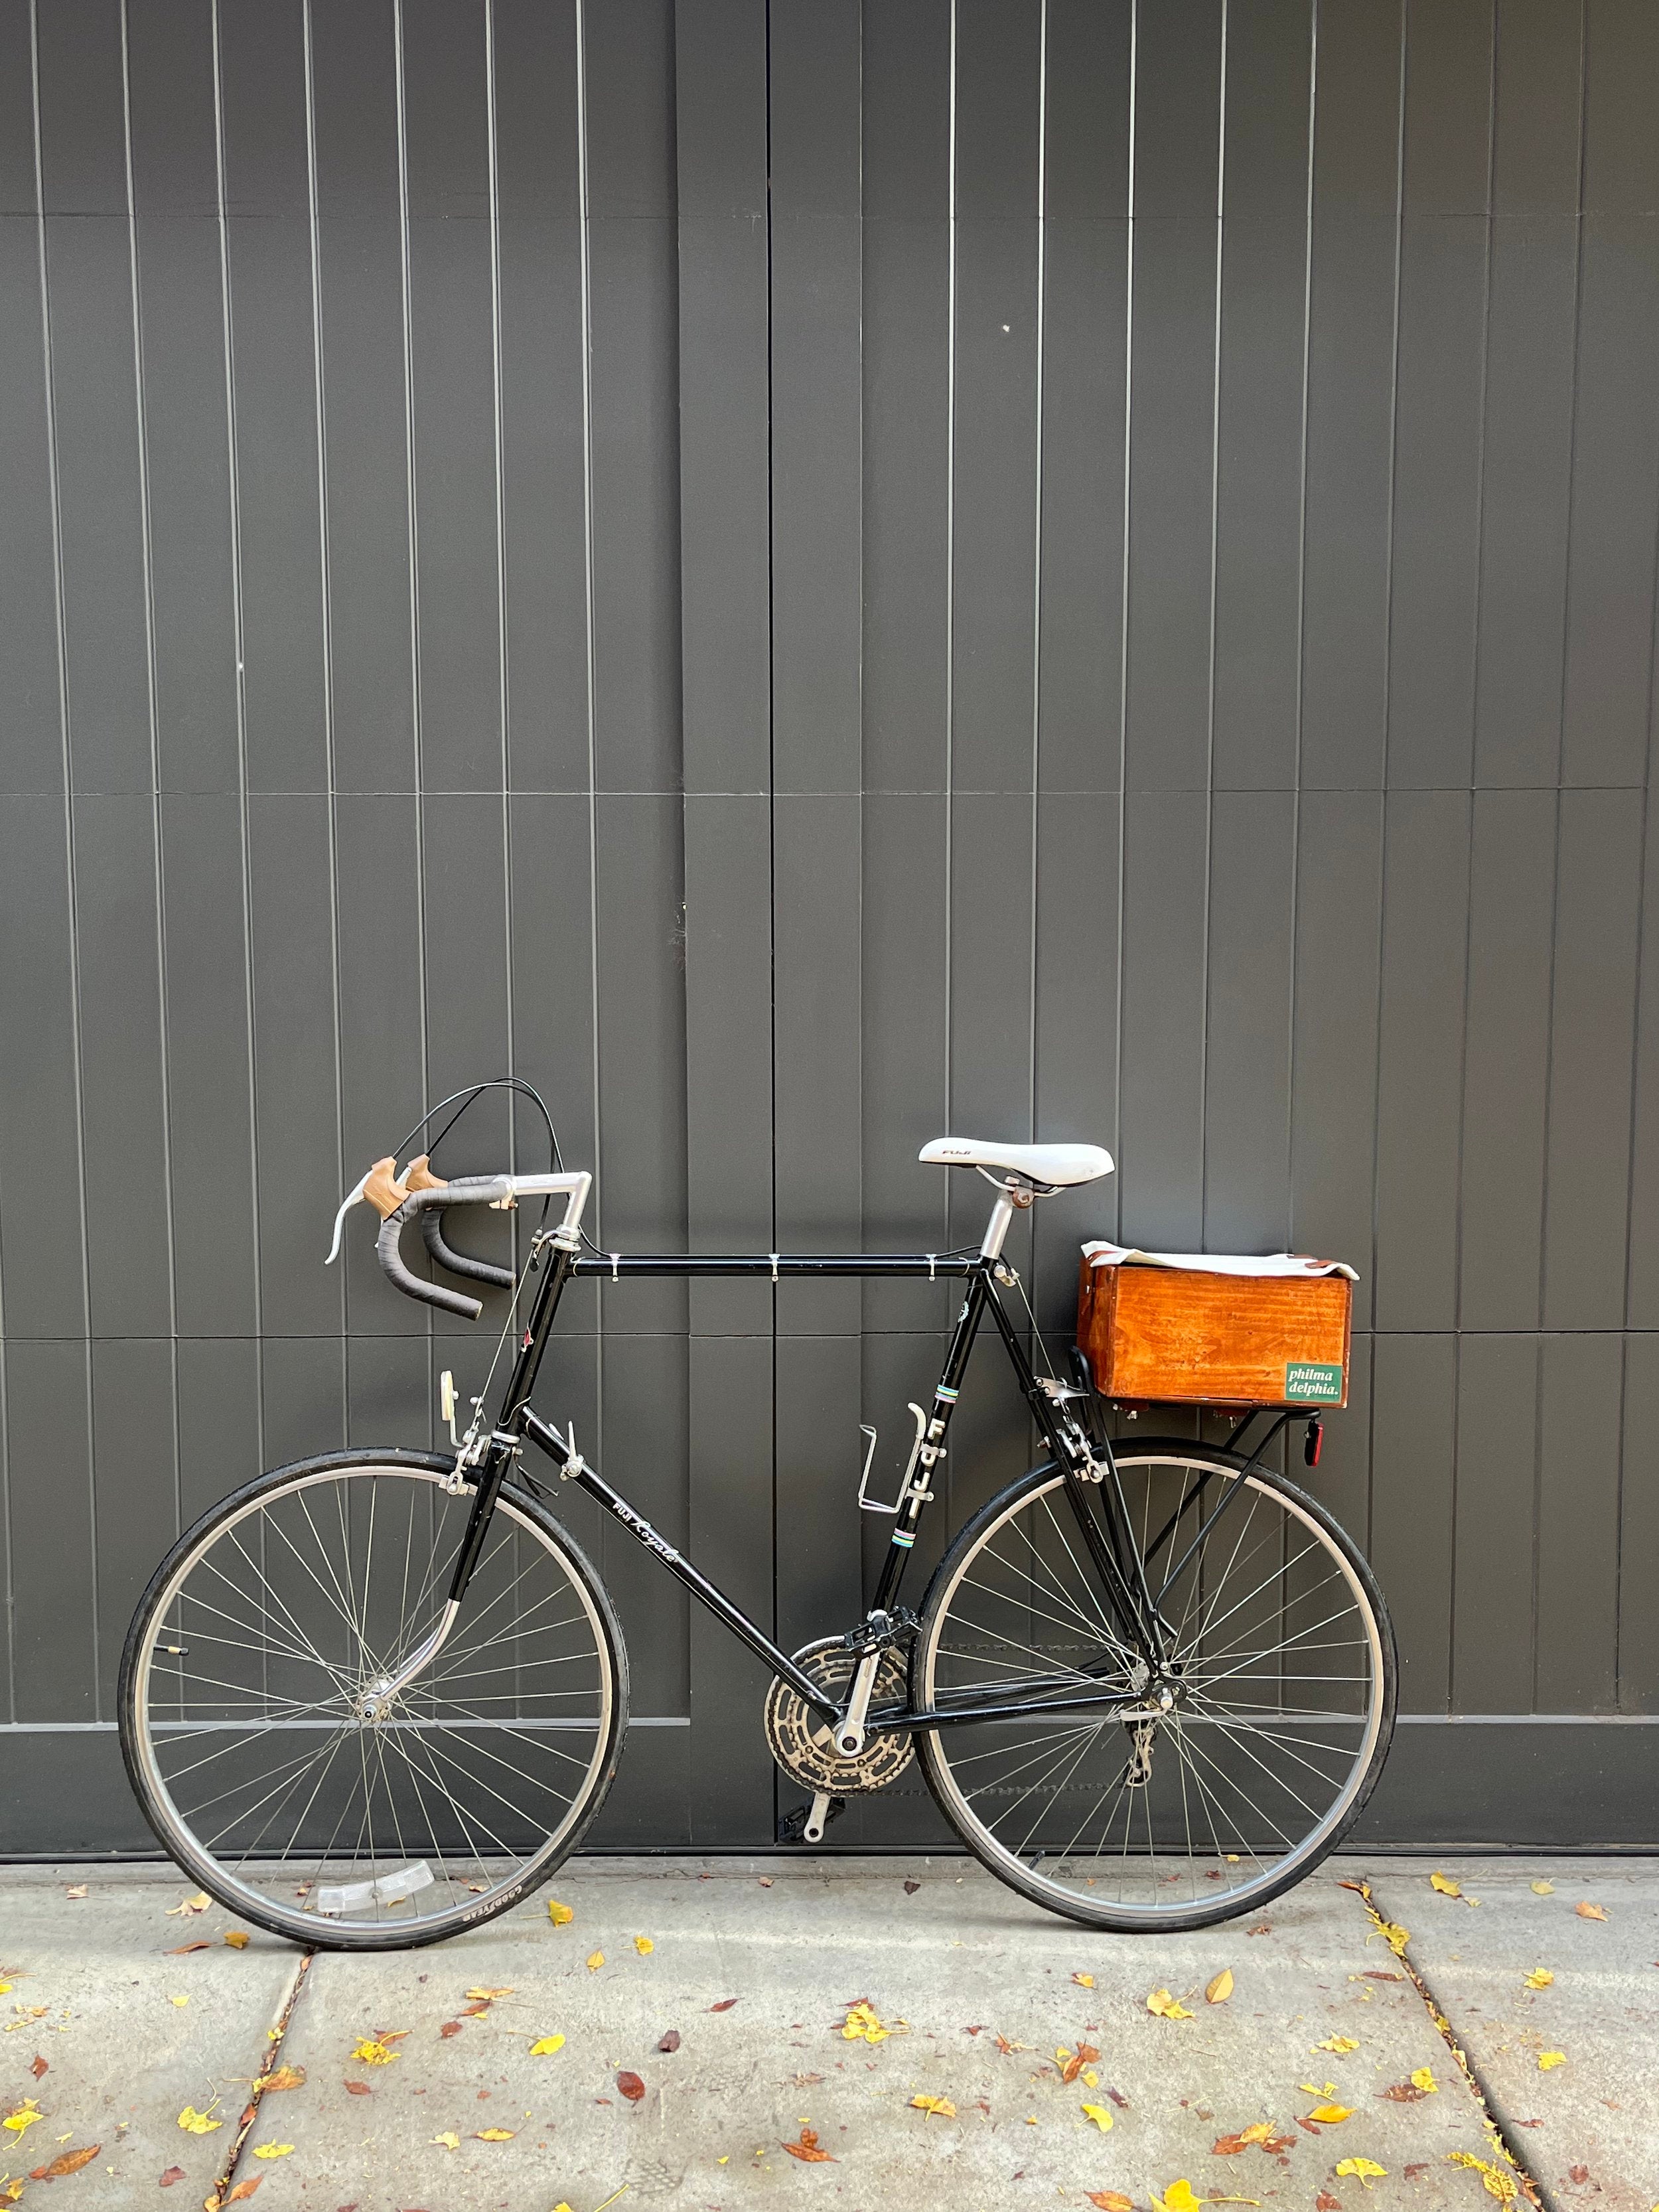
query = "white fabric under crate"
{"x": 1100, "y": 1254}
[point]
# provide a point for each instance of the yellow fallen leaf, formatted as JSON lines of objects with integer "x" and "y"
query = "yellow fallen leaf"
{"x": 595, "y": 1961}
{"x": 1362, "y": 2169}
{"x": 493, "y": 2134}
{"x": 179, "y": 2000}
{"x": 487, "y": 1996}
{"x": 1084, "y": 1981}
{"x": 283, "y": 2077}
{"x": 1586, "y": 1911}
{"x": 1543, "y": 1889}
{"x": 1494, "y": 2178}
{"x": 1539, "y": 1978}
{"x": 941, "y": 2107}
{"x": 1178, "y": 2197}
{"x": 449, "y": 2139}
{"x": 1099, "y": 2115}
{"x": 1549, "y": 2058}
{"x": 1258, "y": 2131}
{"x": 1339, "y": 2043}
{"x": 198, "y": 1903}
{"x": 1161, "y": 2002}
{"x": 1329, "y": 2115}
{"x": 644, "y": 1946}
{"x": 372, "y": 2052}
{"x": 22, "y": 2116}
{"x": 545, "y": 2046}
{"x": 1423, "y": 2079}
{"x": 1445, "y": 1885}
{"x": 560, "y": 1915}
{"x": 1090, "y": 2079}
{"x": 273, "y": 2150}
{"x": 199, "y": 2123}
{"x": 861, "y": 2024}
{"x": 1219, "y": 1990}
{"x": 237, "y": 1938}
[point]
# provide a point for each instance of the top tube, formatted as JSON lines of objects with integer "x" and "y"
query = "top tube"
{"x": 776, "y": 1265}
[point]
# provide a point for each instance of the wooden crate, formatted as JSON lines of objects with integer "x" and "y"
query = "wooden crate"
{"x": 1174, "y": 1336}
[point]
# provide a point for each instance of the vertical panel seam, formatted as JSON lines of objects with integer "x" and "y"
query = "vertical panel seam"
{"x": 146, "y": 544}
{"x": 326, "y": 595}
{"x": 1123, "y": 610}
{"x": 772, "y": 827}
{"x": 1468, "y": 867}
{"x": 500, "y": 567}
{"x": 69, "y": 800}
{"x": 239, "y": 632}
{"x": 585, "y": 234}
{"x": 1292, "y": 1225}
{"x": 1209, "y": 703}
{"x": 950, "y": 585}
{"x": 414, "y": 561}
{"x": 1034, "y": 1302}
{"x": 1382, "y": 796}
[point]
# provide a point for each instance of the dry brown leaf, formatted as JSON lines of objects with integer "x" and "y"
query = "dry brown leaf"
{"x": 629, "y": 2086}
{"x": 70, "y": 2162}
{"x": 180, "y": 1950}
{"x": 1219, "y": 1990}
{"x": 724, "y": 2005}
{"x": 1326, "y": 2202}
{"x": 1404, "y": 2093}
{"x": 450, "y": 2027}
{"x": 1071, "y": 2066}
{"x": 671, "y": 2040}
{"x": 358, "y": 2089}
{"x": 1111, "y": 2200}
{"x": 38, "y": 2066}
{"x": 173, "y": 2173}
{"x": 807, "y": 2149}
{"x": 244, "y": 2189}
{"x": 238, "y": 1939}
{"x": 1586, "y": 1911}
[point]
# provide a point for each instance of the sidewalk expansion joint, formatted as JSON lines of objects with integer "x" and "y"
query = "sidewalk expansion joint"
{"x": 222, "y": 2192}
{"x": 1508, "y": 2176}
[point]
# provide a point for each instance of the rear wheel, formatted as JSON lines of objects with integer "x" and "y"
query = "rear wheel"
{"x": 1280, "y": 1694}
{"x": 250, "y": 1670}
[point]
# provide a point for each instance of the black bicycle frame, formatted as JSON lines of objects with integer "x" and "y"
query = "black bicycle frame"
{"x": 1089, "y": 1471}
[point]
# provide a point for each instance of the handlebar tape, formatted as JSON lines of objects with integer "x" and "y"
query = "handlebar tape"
{"x": 468, "y": 1190}
{"x": 460, "y": 1263}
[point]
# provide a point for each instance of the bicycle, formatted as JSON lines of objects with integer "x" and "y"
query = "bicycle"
{"x": 375, "y": 1698}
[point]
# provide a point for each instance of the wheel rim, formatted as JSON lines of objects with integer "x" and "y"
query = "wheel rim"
{"x": 260, "y": 1652}
{"x": 1267, "y": 1749}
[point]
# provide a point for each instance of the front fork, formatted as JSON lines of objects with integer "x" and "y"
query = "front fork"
{"x": 499, "y": 1455}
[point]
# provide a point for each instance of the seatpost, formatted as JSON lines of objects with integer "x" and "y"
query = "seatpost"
{"x": 1012, "y": 1197}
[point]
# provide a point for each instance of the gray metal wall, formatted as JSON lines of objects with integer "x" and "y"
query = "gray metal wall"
{"x": 1115, "y": 601}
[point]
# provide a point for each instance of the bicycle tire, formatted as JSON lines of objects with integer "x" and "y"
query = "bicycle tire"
{"x": 518, "y": 1514}
{"x": 943, "y": 1751}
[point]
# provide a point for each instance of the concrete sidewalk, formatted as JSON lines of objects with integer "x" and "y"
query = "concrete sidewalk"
{"x": 702, "y": 2007}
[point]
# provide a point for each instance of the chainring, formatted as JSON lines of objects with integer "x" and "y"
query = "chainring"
{"x": 800, "y": 1739}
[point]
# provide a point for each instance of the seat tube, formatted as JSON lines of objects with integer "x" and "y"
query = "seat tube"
{"x": 931, "y": 1454}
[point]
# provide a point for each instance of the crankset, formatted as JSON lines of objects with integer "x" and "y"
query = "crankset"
{"x": 804, "y": 1743}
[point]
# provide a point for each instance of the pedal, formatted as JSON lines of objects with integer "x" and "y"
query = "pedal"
{"x": 807, "y": 1823}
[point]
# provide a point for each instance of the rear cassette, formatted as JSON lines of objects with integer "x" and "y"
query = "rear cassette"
{"x": 801, "y": 1741}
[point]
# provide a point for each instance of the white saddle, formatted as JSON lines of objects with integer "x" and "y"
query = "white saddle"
{"x": 1061, "y": 1165}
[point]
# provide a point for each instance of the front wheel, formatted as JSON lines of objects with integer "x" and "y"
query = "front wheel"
{"x": 275, "y": 1772}
{"x": 1210, "y": 1790}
